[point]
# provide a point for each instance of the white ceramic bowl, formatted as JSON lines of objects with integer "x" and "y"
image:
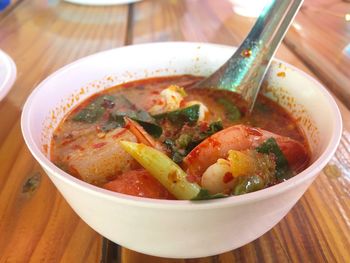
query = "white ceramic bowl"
{"x": 177, "y": 229}
{"x": 8, "y": 74}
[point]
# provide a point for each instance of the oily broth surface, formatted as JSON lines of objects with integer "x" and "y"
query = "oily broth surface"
{"x": 267, "y": 115}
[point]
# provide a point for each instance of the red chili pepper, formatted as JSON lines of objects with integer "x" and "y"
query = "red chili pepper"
{"x": 98, "y": 145}
{"x": 78, "y": 147}
{"x": 203, "y": 126}
{"x": 119, "y": 133}
{"x": 228, "y": 177}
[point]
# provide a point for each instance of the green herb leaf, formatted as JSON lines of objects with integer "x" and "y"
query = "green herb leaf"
{"x": 113, "y": 124}
{"x": 214, "y": 127}
{"x": 151, "y": 127}
{"x": 175, "y": 153}
{"x": 179, "y": 117}
{"x": 183, "y": 141}
{"x": 181, "y": 146}
{"x": 125, "y": 108}
{"x": 92, "y": 112}
{"x": 248, "y": 184}
{"x": 283, "y": 171}
{"x": 205, "y": 195}
{"x": 122, "y": 103}
{"x": 143, "y": 118}
{"x": 232, "y": 111}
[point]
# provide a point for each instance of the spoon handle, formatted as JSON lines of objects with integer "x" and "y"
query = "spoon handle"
{"x": 244, "y": 71}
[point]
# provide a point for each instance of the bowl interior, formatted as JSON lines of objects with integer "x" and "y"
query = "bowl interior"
{"x": 121, "y": 218}
{"x": 308, "y": 101}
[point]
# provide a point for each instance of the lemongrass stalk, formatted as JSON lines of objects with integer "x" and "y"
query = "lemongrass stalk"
{"x": 167, "y": 172}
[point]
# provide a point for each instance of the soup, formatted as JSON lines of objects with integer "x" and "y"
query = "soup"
{"x": 155, "y": 138}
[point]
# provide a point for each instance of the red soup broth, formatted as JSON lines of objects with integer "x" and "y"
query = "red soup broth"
{"x": 85, "y": 144}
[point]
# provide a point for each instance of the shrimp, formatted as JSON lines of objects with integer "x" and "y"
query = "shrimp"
{"x": 170, "y": 99}
{"x": 141, "y": 135}
{"x": 218, "y": 177}
{"x": 240, "y": 138}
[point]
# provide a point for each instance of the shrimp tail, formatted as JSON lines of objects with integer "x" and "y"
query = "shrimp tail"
{"x": 141, "y": 135}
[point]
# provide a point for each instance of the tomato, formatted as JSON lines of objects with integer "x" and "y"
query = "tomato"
{"x": 138, "y": 183}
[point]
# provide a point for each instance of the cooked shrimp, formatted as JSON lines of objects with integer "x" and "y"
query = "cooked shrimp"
{"x": 221, "y": 177}
{"x": 139, "y": 132}
{"x": 170, "y": 99}
{"x": 218, "y": 177}
{"x": 240, "y": 137}
{"x": 141, "y": 135}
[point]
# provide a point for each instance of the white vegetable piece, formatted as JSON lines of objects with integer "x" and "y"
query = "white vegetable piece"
{"x": 100, "y": 158}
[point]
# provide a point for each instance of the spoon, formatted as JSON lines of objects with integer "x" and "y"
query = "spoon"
{"x": 243, "y": 73}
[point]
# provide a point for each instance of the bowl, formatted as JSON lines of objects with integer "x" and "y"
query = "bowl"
{"x": 170, "y": 228}
{"x": 8, "y": 74}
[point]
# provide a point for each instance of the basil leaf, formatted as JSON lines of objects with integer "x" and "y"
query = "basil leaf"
{"x": 92, "y": 112}
{"x": 184, "y": 140}
{"x": 283, "y": 171}
{"x": 152, "y": 128}
{"x": 205, "y": 195}
{"x": 175, "y": 154}
{"x": 232, "y": 111}
{"x": 179, "y": 147}
{"x": 179, "y": 117}
{"x": 143, "y": 118}
{"x": 214, "y": 127}
{"x": 112, "y": 124}
{"x": 122, "y": 103}
{"x": 125, "y": 108}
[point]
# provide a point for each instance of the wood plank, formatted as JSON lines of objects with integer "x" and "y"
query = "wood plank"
{"x": 8, "y": 9}
{"x": 317, "y": 228}
{"x": 320, "y": 38}
{"x": 36, "y": 224}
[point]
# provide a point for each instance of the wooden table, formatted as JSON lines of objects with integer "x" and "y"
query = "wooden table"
{"x": 37, "y": 225}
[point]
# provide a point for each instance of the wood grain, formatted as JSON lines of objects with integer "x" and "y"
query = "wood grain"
{"x": 317, "y": 229}
{"x": 8, "y": 9}
{"x": 320, "y": 37}
{"x": 36, "y": 224}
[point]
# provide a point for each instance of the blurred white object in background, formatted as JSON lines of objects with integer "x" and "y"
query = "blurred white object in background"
{"x": 250, "y": 8}
{"x": 101, "y": 2}
{"x": 7, "y": 74}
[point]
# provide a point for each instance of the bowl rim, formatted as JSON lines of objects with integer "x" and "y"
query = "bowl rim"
{"x": 10, "y": 74}
{"x": 269, "y": 192}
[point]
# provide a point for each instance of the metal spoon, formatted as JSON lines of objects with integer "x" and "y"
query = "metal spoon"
{"x": 244, "y": 71}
